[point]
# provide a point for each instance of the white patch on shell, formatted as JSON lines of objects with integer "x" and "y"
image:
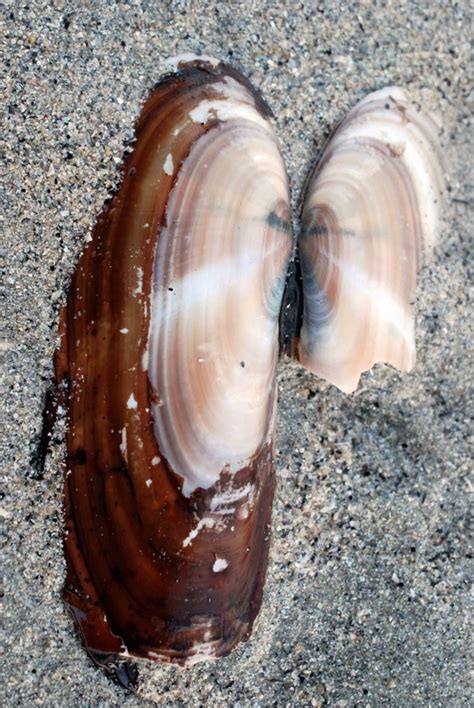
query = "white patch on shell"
{"x": 139, "y": 289}
{"x": 124, "y": 651}
{"x": 124, "y": 330}
{"x": 132, "y": 402}
{"x": 236, "y": 104}
{"x": 148, "y": 482}
{"x": 156, "y": 460}
{"x": 168, "y": 167}
{"x": 222, "y": 503}
{"x": 123, "y": 443}
{"x": 206, "y": 523}
{"x": 202, "y": 652}
{"x": 224, "y": 111}
{"x": 220, "y": 564}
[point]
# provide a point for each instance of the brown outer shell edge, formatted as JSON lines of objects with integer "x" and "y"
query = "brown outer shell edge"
{"x": 131, "y": 587}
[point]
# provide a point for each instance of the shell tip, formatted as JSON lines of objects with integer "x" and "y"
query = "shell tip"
{"x": 178, "y": 62}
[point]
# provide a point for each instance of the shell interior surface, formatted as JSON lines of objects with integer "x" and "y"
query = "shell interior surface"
{"x": 371, "y": 210}
{"x": 218, "y": 280}
{"x": 170, "y": 342}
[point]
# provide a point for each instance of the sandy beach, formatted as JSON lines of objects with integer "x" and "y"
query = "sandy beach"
{"x": 367, "y": 595}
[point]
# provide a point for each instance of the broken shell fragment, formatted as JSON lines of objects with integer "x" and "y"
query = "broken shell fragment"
{"x": 371, "y": 211}
{"x": 170, "y": 344}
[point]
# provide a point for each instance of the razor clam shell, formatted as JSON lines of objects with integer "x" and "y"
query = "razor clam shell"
{"x": 170, "y": 469}
{"x": 371, "y": 211}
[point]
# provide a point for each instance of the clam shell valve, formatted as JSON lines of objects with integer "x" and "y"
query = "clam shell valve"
{"x": 175, "y": 318}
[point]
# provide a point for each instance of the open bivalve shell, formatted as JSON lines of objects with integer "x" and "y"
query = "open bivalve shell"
{"x": 170, "y": 346}
{"x": 170, "y": 342}
{"x": 371, "y": 211}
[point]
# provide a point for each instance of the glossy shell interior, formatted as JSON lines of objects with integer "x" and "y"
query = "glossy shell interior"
{"x": 170, "y": 343}
{"x": 218, "y": 280}
{"x": 371, "y": 211}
